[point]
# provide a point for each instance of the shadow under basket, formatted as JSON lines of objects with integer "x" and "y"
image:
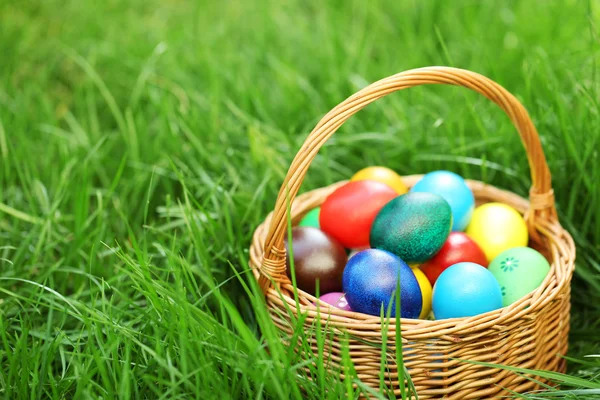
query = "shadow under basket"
{"x": 532, "y": 333}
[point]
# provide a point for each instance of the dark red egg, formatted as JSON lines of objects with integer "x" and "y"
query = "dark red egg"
{"x": 348, "y": 213}
{"x": 457, "y": 248}
{"x": 317, "y": 256}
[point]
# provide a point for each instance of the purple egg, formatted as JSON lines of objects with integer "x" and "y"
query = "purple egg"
{"x": 336, "y": 299}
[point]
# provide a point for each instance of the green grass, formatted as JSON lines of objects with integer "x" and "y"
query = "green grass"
{"x": 141, "y": 142}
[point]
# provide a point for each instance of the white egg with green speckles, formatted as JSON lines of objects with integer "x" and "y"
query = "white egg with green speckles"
{"x": 519, "y": 271}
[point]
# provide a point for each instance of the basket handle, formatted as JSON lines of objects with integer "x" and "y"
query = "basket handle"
{"x": 541, "y": 194}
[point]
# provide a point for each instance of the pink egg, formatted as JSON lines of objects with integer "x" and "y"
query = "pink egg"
{"x": 336, "y": 299}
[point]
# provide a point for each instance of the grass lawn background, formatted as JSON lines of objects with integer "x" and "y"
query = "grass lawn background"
{"x": 141, "y": 142}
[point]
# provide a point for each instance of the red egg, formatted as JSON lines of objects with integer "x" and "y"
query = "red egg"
{"x": 457, "y": 248}
{"x": 348, "y": 213}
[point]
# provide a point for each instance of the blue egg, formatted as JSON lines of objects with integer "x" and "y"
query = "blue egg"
{"x": 370, "y": 278}
{"x": 464, "y": 290}
{"x": 454, "y": 190}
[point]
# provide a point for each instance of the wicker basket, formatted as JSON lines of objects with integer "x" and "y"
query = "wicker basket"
{"x": 531, "y": 333}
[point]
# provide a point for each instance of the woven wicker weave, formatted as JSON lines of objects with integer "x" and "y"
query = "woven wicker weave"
{"x": 531, "y": 333}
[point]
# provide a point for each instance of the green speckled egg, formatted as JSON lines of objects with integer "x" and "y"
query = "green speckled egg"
{"x": 413, "y": 226}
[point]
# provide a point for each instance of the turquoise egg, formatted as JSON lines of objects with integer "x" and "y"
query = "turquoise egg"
{"x": 454, "y": 190}
{"x": 370, "y": 279}
{"x": 464, "y": 290}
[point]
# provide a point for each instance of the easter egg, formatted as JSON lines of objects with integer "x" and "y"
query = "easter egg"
{"x": 336, "y": 299}
{"x": 496, "y": 227}
{"x": 348, "y": 213}
{"x": 370, "y": 279}
{"x": 426, "y": 292}
{"x": 383, "y": 175}
{"x": 413, "y": 226}
{"x": 464, "y": 290}
{"x": 317, "y": 256}
{"x": 454, "y": 190}
{"x": 457, "y": 248}
{"x": 519, "y": 271}
{"x": 311, "y": 218}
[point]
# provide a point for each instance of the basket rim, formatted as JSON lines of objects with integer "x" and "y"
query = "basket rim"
{"x": 558, "y": 242}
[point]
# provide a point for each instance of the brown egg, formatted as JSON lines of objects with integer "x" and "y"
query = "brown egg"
{"x": 316, "y": 256}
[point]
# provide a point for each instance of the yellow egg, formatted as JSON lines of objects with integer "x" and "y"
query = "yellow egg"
{"x": 425, "y": 292}
{"x": 496, "y": 227}
{"x": 383, "y": 175}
